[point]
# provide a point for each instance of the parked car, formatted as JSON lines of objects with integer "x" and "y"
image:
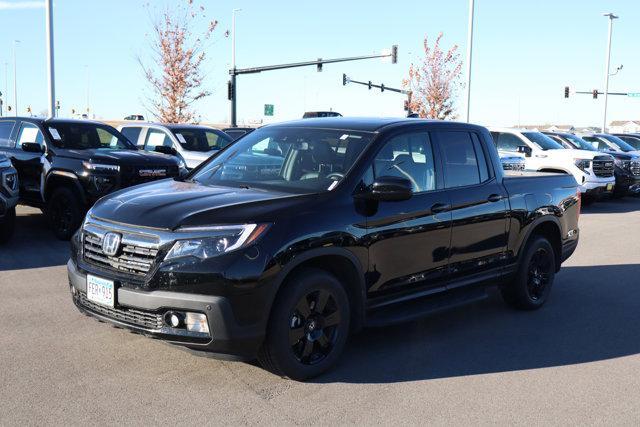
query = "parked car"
{"x": 543, "y": 154}
{"x": 138, "y": 117}
{"x": 609, "y": 143}
{"x": 633, "y": 139}
{"x": 64, "y": 166}
{"x": 315, "y": 114}
{"x": 626, "y": 166}
{"x": 237, "y": 132}
{"x": 8, "y": 191}
{"x": 357, "y": 228}
{"x": 512, "y": 162}
{"x": 192, "y": 144}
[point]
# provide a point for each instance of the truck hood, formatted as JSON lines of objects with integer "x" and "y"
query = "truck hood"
{"x": 120, "y": 157}
{"x": 171, "y": 204}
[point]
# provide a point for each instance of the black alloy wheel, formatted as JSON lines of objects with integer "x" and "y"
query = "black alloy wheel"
{"x": 64, "y": 213}
{"x": 539, "y": 273}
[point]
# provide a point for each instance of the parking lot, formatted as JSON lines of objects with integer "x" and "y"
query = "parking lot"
{"x": 575, "y": 360}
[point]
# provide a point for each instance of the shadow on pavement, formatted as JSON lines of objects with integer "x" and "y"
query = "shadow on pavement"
{"x": 33, "y": 245}
{"x": 592, "y": 315}
{"x": 609, "y": 205}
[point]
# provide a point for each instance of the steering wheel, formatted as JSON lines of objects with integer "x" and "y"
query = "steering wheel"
{"x": 336, "y": 176}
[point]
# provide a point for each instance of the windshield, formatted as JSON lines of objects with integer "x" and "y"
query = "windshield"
{"x": 542, "y": 141}
{"x": 633, "y": 141}
{"x": 84, "y": 136}
{"x": 201, "y": 139}
{"x": 578, "y": 142}
{"x": 295, "y": 160}
{"x": 618, "y": 142}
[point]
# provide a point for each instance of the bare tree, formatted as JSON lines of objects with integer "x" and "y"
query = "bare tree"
{"x": 174, "y": 69}
{"x": 434, "y": 82}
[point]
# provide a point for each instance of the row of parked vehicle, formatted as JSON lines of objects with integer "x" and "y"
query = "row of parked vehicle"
{"x": 601, "y": 163}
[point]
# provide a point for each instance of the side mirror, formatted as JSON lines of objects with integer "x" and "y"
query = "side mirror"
{"x": 523, "y": 149}
{"x": 32, "y": 147}
{"x": 389, "y": 188}
{"x": 166, "y": 150}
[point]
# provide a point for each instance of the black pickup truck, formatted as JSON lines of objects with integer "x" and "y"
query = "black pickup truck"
{"x": 8, "y": 198}
{"x": 365, "y": 222}
{"x": 64, "y": 166}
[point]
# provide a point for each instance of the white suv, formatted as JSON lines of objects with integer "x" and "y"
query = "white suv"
{"x": 543, "y": 154}
{"x": 193, "y": 144}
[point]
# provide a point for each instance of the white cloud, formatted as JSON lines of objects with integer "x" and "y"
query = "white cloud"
{"x": 14, "y": 5}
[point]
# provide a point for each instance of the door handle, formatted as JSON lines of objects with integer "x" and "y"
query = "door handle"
{"x": 440, "y": 207}
{"x": 494, "y": 198}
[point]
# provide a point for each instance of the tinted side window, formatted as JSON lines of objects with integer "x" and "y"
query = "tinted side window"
{"x": 156, "y": 138}
{"x": 5, "y": 133}
{"x": 132, "y": 133}
{"x": 461, "y": 165}
{"x": 408, "y": 156}
{"x": 483, "y": 167}
{"x": 508, "y": 142}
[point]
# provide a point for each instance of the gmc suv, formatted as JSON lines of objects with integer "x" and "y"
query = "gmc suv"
{"x": 64, "y": 166}
{"x": 363, "y": 222}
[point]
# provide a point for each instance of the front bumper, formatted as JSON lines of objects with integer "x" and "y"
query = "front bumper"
{"x": 142, "y": 312}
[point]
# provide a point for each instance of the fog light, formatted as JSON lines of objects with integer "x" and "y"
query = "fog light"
{"x": 173, "y": 319}
{"x": 196, "y": 322}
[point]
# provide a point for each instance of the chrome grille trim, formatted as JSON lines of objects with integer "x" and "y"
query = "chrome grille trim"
{"x": 603, "y": 168}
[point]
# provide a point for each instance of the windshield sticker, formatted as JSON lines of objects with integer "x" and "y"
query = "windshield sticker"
{"x": 54, "y": 133}
{"x": 332, "y": 186}
{"x": 181, "y": 138}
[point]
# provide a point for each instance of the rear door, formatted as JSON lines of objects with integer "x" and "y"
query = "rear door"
{"x": 478, "y": 207}
{"x": 409, "y": 240}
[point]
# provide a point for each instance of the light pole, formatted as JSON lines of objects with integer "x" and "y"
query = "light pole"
{"x": 87, "y": 89}
{"x": 611, "y": 17}
{"x": 469, "y": 55}
{"x": 50, "y": 65}
{"x": 15, "y": 79}
{"x": 232, "y": 84}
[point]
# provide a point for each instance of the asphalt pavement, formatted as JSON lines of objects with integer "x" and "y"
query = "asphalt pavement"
{"x": 575, "y": 361}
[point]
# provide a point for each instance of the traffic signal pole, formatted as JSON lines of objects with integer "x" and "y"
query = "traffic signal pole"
{"x": 382, "y": 88}
{"x": 234, "y": 72}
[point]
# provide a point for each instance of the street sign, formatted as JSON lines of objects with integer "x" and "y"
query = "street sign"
{"x": 634, "y": 94}
{"x": 268, "y": 109}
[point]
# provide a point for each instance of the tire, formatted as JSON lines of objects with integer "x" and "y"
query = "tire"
{"x": 300, "y": 344}
{"x": 64, "y": 213}
{"x": 7, "y": 225}
{"x": 530, "y": 289}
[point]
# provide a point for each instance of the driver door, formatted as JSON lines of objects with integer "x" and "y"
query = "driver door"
{"x": 30, "y": 166}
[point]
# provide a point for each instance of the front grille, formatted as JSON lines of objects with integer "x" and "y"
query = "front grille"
{"x": 140, "y": 318}
{"x": 603, "y": 168}
{"x": 136, "y": 259}
{"x": 513, "y": 166}
{"x": 634, "y": 167}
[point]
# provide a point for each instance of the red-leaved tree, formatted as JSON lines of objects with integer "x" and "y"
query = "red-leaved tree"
{"x": 434, "y": 82}
{"x": 174, "y": 68}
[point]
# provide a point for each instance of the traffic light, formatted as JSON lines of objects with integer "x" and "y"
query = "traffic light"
{"x": 73, "y": 111}
{"x": 344, "y": 79}
{"x": 319, "y": 66}
{"x": 406, "y": 105}
{"x": 369, "y": 84}
{"x": 230, "y": 90}
{"x": 566, "y": 91}
{"x": 381, "y": 87}
{"x": 394, "y": 54}
{"x": 29, "y": 109}
{"x": 595, "y": 94}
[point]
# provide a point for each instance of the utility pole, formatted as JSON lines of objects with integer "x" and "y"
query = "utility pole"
{"x": 15, "y": 79}
{"x": 87, "y": 89}
{"x": 50, "y": 65}
{"x": 611, "y": 17}
{"x": 469, "y": 55}
{"x": 232, "y": 81}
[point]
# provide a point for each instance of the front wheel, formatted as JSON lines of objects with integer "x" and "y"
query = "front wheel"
{"x": 7, "y": 225}
{"x": 309, "y": 326}
{"x": 531, "y": 287}
{"x": 64, "y": 212}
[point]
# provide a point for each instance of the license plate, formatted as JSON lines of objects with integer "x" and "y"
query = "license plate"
{"x": 101, "y": 291}
{"x": 609, "y": 187}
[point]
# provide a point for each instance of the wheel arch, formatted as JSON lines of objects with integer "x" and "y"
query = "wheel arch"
{"x": 56, "y": 179}
{"x": 548, "y": 227}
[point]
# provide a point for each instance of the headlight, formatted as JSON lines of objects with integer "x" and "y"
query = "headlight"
{"x": 217, "y": 240}
{"x": 582, "y": 164}
{"x": 100, "y": 167}
{"x": 622, "y": 164}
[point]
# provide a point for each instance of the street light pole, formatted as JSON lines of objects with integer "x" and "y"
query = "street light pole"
{"x": 15, "y": 79}
{"x": 87, "y": 89}
{"x": 50, "y": 64}
{"x": 611, "y": 17}
{"x": 233, "y": 67}
{"x": 469, "y": 55}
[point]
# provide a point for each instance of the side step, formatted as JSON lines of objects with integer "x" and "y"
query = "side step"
{"x": 407, "y": 311}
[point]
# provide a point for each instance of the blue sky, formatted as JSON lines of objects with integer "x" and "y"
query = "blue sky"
{"x": 525, "y": 52}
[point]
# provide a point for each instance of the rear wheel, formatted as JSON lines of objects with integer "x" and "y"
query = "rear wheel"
{"x": 7, "y": 225}
{"x": 308, "y": 327}
{"x": 64, "y": 212}
{"x": 531, "y": 287}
